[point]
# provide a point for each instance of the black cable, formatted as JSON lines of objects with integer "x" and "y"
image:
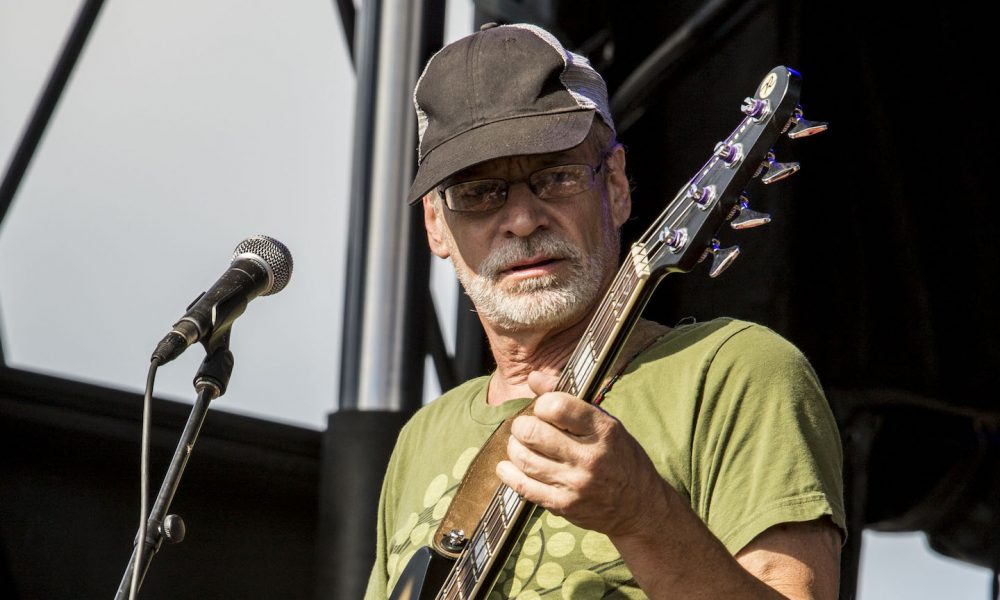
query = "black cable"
{"x": 147, "y": 403}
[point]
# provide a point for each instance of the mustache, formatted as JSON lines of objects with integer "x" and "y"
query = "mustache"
{"x": 521, "y": 249}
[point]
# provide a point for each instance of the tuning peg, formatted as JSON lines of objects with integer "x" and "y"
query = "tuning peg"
{"x": 721, "y": 257}
{"x": 729, "y": 153}
{"x": 803, "y": 127}
{"x": 755, "y": 108}
{"x": 776, "y": 171}
{"x": 746, "y": 217}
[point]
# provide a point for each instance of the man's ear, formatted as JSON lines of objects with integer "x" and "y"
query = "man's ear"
{"x": 437, "y": 237}
{"x": 619, "y": 191}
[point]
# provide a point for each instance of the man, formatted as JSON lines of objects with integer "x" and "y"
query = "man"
{"x": 712, "y": 467}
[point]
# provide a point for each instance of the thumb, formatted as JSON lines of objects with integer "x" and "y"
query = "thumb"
{"x": 540, "y": 382}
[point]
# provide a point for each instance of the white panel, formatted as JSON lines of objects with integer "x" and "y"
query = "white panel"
{"x": 187, "y": 126}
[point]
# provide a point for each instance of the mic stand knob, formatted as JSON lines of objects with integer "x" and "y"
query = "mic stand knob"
{"x": 173, "y": 529}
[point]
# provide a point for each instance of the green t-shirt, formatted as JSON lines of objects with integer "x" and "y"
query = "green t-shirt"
{"x": 731, "y": 414}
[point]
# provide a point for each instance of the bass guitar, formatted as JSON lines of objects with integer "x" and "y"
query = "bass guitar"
{"x": 462, "y": 567}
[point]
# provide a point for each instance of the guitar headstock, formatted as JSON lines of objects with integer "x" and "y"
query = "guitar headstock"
{"x": 685, "y": 233}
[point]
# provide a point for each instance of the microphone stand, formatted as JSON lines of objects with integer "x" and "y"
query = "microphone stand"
{"x": 210, "y": 382}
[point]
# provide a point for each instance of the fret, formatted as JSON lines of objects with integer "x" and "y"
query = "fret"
{"x": 467, "y": 586}
{"x": 585, "y": 358}
{"x": 480, "y": 554}
{"x": 494, "y": 527}
{"x": 511, "y": 501}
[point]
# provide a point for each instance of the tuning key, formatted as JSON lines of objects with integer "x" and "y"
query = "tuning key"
{"x": 721, "y": 257}
{"x": 803, "y": 127}
{"x": 755, "y": 108}
{"x": 776, "y": 171}
{"x": 746, "y": 217}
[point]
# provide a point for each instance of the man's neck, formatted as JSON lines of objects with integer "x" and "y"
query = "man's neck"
{"x": 518, "y": 353}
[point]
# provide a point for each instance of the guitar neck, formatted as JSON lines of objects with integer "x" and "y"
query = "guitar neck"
{"x": 678, "y": 239}
{"x": 616, "y": 316}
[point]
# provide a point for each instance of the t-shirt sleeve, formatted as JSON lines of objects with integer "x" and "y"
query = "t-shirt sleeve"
{"x": 766, "y": 445}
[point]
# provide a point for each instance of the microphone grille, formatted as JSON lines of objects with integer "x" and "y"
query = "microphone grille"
{"x": 274, "y": 254}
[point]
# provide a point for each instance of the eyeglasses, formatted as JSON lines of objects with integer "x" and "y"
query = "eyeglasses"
{"x": 550, "y": 183}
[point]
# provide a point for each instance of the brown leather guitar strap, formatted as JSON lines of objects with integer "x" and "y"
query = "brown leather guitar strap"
{"x": 480, "y": 481}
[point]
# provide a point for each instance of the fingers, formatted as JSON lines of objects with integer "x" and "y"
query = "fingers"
{"x": 570, "y": 414}
{"x": 547, "y": 496}
{"x": 542, "y": 437}
{"x": 563, "y": 410}
{"x": 540, "y": 382}
{"x": 559, "y": 448}
{"x": 534, "y": 465}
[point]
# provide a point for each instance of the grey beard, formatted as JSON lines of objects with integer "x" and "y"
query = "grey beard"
{"x": 545, "y": 301}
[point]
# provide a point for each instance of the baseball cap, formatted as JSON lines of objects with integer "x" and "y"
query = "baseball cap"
{"x": 506, "y": 90}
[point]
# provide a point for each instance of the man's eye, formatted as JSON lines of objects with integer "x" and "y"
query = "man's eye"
{"x": 559, "y": 181}
{"x": 477, "y": 190}
{"x": 476, "y": 195}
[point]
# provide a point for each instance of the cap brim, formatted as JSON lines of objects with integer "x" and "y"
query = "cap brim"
{"x": 536, "y": 134}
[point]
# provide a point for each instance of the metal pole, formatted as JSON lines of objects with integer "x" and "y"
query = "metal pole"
{"x": 366, "y": 52}
{"x": 379, "y": 386}
{"x": 384, "y": 345}
{"x": 47, "y": 102}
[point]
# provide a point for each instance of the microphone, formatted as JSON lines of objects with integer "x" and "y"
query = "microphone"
{"x": 261, "y": 266}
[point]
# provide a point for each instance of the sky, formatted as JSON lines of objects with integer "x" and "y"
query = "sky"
{"x": 186, "y": 127}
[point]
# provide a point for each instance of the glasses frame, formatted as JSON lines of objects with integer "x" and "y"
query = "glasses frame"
{"x": 594, "y": 170}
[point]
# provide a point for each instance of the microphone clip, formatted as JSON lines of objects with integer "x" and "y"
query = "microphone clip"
{"x": 217, "y": 368}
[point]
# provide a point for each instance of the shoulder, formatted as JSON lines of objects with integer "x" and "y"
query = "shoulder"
{"x": 725, "y": 343}
{"x": 721, "y": 344}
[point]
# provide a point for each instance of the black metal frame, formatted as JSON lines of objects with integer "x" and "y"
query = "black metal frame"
{"x": 47, "y": 102}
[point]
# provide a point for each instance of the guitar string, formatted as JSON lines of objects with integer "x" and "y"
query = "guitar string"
{"x": 647, "y": 241}
{"x": 466, "y": 559}
{"x": 607, "y": 320}
{"x": 595, "y": 331}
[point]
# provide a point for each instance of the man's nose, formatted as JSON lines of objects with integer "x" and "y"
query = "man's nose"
{"x": 524, "y": 212}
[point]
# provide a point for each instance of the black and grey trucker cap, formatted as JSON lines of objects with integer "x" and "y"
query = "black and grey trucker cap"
{"x": 506, "y": 90}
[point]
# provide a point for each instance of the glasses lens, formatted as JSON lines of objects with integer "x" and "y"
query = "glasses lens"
{"x": 562, "y": 181}
{"x": 472, "y": 196}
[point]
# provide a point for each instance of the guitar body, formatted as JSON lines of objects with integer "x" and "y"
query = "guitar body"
{"x": 423, "y": 576}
